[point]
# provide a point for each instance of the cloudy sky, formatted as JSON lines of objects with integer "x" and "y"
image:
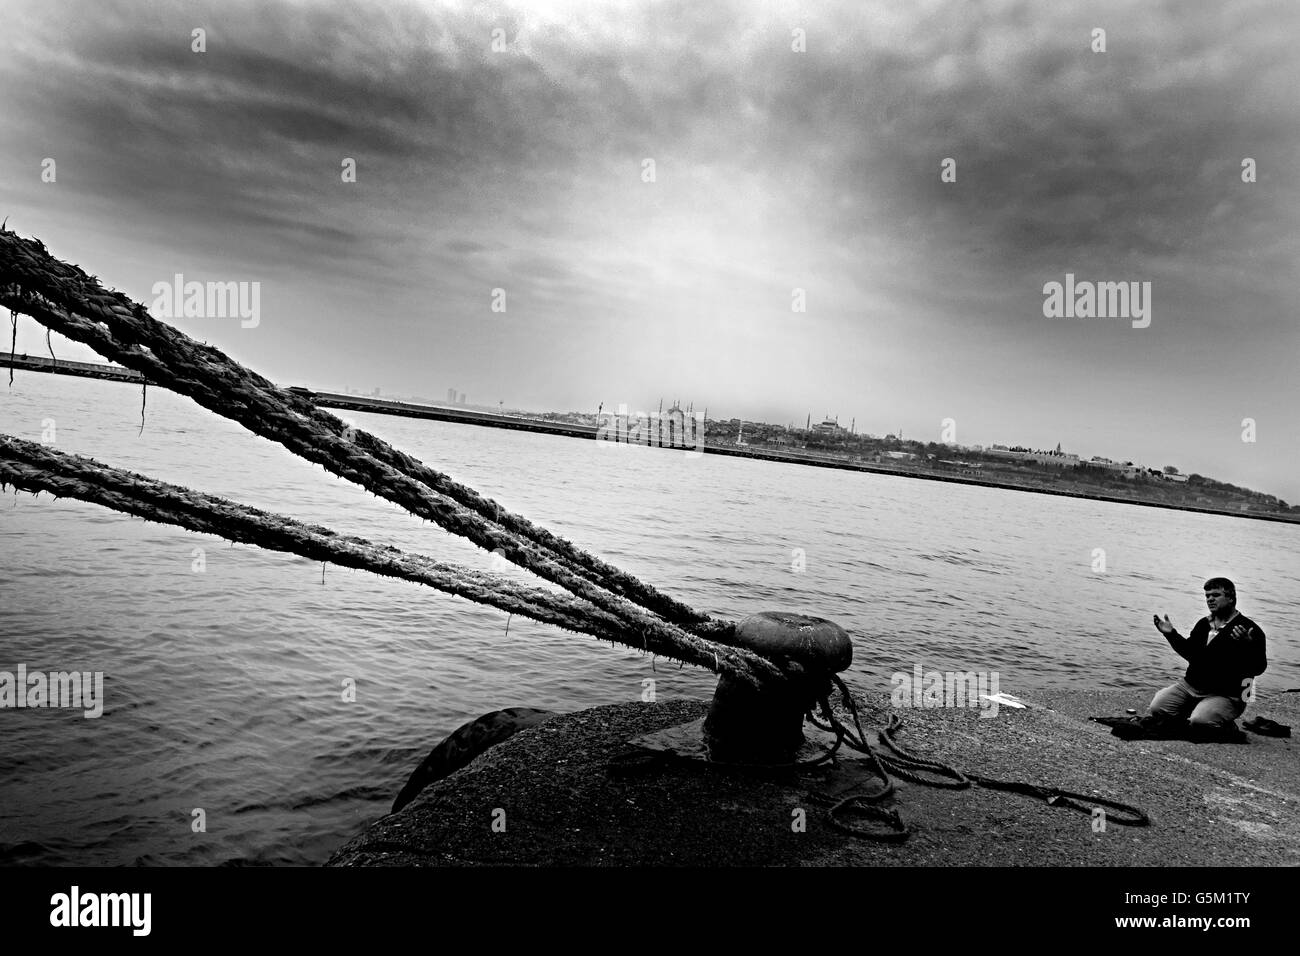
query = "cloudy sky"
{"x": 523, "y": 168}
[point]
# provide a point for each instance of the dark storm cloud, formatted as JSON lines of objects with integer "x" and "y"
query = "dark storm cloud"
{"x": 1058, "y": 149}
{"x": 1065, "y": 158}
{"x": 253, "y": 135}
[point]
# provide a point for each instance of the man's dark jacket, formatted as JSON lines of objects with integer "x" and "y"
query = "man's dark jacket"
{"x": 1222, "y": 666}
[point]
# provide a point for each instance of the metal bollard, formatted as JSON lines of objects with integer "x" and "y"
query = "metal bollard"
{"x": 746, "y": 725}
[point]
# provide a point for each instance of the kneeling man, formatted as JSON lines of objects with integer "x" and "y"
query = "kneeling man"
{"x": 1224, "y": 652}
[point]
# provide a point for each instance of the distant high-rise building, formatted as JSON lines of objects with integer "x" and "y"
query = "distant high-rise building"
{"x": 462, "y": 398}
{"x": 451, "y": 396}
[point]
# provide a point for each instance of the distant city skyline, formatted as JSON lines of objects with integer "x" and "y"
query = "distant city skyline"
{"x": 770, "y": 207}
{"x": 973, "y": 445}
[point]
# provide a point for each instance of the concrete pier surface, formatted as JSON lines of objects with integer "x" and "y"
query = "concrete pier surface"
{"x": 545, "y": 797}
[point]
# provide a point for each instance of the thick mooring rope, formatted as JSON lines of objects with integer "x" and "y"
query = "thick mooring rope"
{"x": 34, "y": 467}
{"x": 64, "y": 298}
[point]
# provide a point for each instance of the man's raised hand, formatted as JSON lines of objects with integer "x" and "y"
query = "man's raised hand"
{"x": 1240, "y": 633}
{"x": 1164, "y": 627}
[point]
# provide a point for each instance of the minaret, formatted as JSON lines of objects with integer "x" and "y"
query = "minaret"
{"x": 808, "y": 424}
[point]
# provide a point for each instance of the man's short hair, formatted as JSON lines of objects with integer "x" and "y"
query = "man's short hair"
{"x": 1223, "y": 583}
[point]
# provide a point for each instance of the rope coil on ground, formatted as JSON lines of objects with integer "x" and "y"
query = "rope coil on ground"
{"x": 904, "y": 764}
